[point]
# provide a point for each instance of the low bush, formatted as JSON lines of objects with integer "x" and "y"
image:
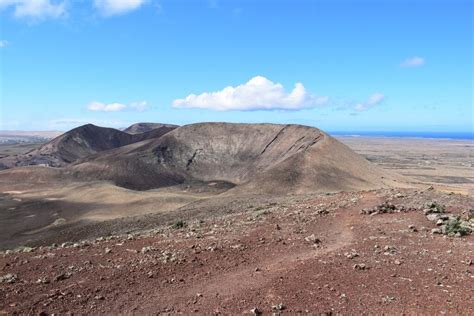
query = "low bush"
{"x": 179, "y": 224}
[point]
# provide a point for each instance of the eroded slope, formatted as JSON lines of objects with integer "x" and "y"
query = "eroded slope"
{"x": 269, "y": 158}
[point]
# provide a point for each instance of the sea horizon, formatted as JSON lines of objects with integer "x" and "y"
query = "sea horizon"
{"x": 406, "y": 134}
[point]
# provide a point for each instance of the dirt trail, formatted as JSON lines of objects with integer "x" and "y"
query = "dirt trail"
{"x": 338, "y": 234}
{"x": 259, "y": 258}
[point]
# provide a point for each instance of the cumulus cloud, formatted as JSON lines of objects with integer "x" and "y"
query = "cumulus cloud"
{"x": 117, "y": 107}
{"x": 413, "y": 62}
{"x": 35, "y": 9}
{"x": 3, "y": 43}
{"x": 258, "y": 93}
{"x": 139, "y": 106}
{"x": 373, "y": 100}
{"x": 117, "y": 7}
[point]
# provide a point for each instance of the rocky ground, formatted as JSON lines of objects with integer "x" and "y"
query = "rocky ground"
{"x": 368, "y": 252}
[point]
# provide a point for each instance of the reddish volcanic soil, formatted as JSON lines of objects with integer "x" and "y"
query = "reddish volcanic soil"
{"x": 316, "y": 255}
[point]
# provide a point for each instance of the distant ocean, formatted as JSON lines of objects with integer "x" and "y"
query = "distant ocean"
{"x": 447, "y": 135}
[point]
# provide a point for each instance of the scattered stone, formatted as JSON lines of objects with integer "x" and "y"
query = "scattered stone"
{"x": 25, "y": 249}
{"x": 389, "y": 250}
{"x": 108, "y": 250}
{"x": 9, "y": 278}
{"x": 360, "y": 266}
{"x": 388, "y": 299}
{"x": 313, "y": 239}
{"x": 147, "y": 249}
{"x": 278, "y": 307}
{"x": 256, "y": 311}
{"x": 66, "y": 244}
{"x": 397, "y": 262}
{"x": 433, "y": 217}
{"x": 61, "y": 277}
{"x": 42, "y": 281}
{"x": 438, "y": 231}
{"x": 352, "y": 254}
{"x": 322, "y": 211}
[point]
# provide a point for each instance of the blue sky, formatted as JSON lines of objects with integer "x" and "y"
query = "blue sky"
{"x": 338, "y": 65}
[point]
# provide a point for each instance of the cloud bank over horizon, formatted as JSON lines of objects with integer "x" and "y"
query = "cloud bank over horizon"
{"x": 259, "y": 93}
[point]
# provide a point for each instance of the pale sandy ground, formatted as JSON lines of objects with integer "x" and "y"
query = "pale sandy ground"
{"x": 447, "y": 164}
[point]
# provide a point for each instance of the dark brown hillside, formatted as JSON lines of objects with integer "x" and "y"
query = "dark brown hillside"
{"x": 158, "y": 131}
{"x": 77, "y": 143}
{"x": 139, "y": 128}
{"x": 265, "y": 158}
{"x": 81, "y": 142}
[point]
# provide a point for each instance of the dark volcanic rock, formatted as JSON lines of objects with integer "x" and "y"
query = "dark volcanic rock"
{"x": 75, "y": 144}
{"x": 156, "y": 132}
{"x": 267, "y": 158}
{"x": 82, "y": 142}
{"x": 139, "y": 128}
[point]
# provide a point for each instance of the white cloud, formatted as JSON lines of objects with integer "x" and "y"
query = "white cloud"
{"x": 35, "y": 9}
{"x": 139, "y": 106}
{"x": 117, "y": 7}
{"x": 3, "y": 43}
{"x": 413, "y": 62}
{"x": 102, "y": 107}
{"x": 117, "y": 107}
{"x": 373, "y": 100}
{"x": 258, "y": 93}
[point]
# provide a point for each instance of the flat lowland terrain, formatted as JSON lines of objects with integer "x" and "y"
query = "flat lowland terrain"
{"x": 17, "y": 148}
{"x": 447, "y": 163}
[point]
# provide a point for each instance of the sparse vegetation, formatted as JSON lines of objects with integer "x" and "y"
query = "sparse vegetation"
{"x": 470, "y": 215}
{"x": 260, "y": 211}
{"x": 179, "y": 224}
{"x": 434, "y": 207}
{"x": 455, "y": 226}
